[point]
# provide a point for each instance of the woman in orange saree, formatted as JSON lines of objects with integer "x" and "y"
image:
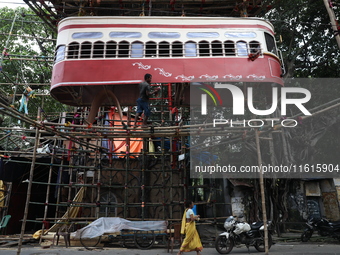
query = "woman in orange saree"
{"x": 192, "y": 241}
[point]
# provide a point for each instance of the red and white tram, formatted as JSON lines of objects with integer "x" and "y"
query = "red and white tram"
{"x": 101, "y": 55}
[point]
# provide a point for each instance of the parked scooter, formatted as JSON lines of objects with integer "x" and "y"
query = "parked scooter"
{"x": 242, "y": 233}
{"x": 322, "y": 226}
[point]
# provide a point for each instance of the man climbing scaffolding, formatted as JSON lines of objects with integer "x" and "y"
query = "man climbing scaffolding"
{"x": 26, "y": 95}
{"x": 143, "y": 100}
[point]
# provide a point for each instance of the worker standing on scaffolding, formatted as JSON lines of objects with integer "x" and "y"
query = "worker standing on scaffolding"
{"x": 143, "y": 100}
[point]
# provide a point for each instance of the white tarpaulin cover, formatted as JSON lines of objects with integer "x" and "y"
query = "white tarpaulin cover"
{"x": 114, "y": 224}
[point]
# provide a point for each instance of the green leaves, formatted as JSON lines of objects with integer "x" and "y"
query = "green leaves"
{"x": 308, "y": 46}
{"x": 27, "y": 58}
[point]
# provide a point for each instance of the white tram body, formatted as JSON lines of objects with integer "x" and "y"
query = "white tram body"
{"x": 114, "y": 54}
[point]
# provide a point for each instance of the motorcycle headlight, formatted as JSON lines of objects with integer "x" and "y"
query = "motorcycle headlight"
{"x": 229, "y": 222}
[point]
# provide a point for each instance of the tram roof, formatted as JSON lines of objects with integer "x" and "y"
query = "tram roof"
{"x": 154, "y": 21}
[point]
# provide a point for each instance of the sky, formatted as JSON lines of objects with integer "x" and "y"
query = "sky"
{"x": 12, "y": 3}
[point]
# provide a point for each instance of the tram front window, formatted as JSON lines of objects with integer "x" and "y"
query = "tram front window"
{"x": 270, "y": 43}
{"x": 60, "y": 53}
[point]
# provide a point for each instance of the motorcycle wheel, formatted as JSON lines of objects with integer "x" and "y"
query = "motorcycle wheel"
{"x": 259, "y": 245}
{"x": 224, "y": 245}
{"x": 306, "y": 236}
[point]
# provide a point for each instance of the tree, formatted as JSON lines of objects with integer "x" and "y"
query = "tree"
{"x": 308, "y": 44}
{"x": 27, "y": 58}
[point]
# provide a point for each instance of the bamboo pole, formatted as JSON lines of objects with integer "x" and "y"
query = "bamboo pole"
{"x": 263, "y": 198}
{"x": 334, "y": 21}
{"x": 48, "y": 191}
{"x": 29, "y": 188}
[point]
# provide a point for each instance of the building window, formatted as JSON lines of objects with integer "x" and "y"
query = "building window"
{"x": 240, "y": 34}
{"x": 154, "y": 35}
{"x": 241, "y": 48}
{"x": 177, "y": 49}
{"x": 150, "y": 50}
{"x": 164, "y": 49}
{"x": 229, "y": 48}
{"x": 87, "y": 35}
{"x": 137, "y": 50}
{"x": 203, "y": 35}
{"x": 254, "y": 47}
{"x": 123, "y": 49}
{"x": 98, "y": 50}
{"x": 125, "y": 34}
{"x": 111, "y": 48}
{"x": 190, "y": 49}
{"x": 73, "y": 50}
{"x": 216, "y": 48}
{"x": 85, "y": 51}
{"x": 204, "y": 48}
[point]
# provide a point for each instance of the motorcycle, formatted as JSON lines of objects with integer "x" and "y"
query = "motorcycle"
{"x": 323, "y": 226}
{"x": 238, "y": 233}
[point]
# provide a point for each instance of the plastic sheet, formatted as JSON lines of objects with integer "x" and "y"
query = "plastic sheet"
{"x": 114, "y": 224}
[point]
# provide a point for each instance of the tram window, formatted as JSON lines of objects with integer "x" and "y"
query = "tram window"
{"x": 164, "y": 35}
{"x": 60, "y": 53}
{"x": 203, "y": 35}
{"x": 125, "y": 34}
{"x": 254, "y": 47}
{"x": 73, "y": 50}
{"x": 150, "y": 49}
{"x": 137, "y": 50}
{"x": 229, "y": 48}
{"x": 123, "y": 49}
{"x": 177, "y": 49}
{"x": 190, "y": 49}
{"x": 204, "y": 48}
{"x": 111, "y": 48}
{"x": 85, "y": 51}
{"x": 164, "y": 49}
{"x": 216, "y": 48}
{"x": 270, "y": 43}
{"x": 240, "y": 34}
{"x": 241, "y": 47}
{"x": 98, "y": 50}
{"x": 87, "y": 35}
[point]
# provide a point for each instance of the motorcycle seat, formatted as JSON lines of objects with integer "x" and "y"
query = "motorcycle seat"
{"x": 334, "y": 224}
{"x": 256, "y": 225}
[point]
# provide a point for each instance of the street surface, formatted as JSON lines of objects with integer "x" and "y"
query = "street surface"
{"x": 293, "y": 248}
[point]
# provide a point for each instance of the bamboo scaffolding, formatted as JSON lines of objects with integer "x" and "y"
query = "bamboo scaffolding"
{"x": 127, "y": 177}
{"x": 29, "y": 188}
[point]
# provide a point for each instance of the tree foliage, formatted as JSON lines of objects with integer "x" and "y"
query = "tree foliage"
{"x": 28, "y": 49}
{"x": 308, "y": 44}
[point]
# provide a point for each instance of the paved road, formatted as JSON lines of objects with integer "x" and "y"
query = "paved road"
{"x": 277, "y": 249}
